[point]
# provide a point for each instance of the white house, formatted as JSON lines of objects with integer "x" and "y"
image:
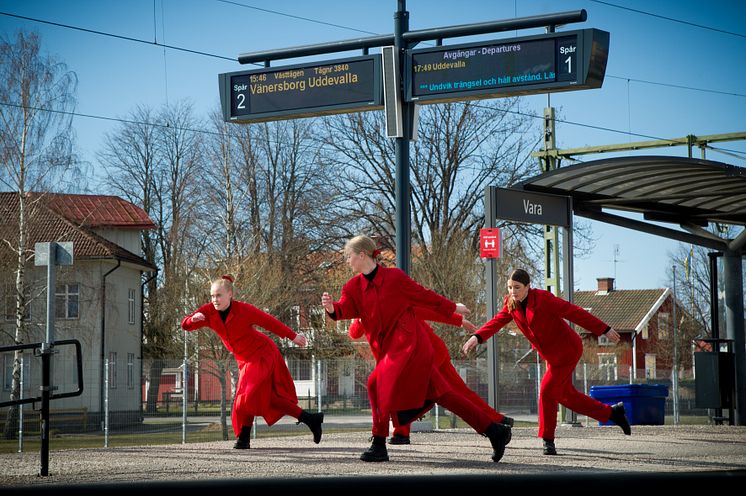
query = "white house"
{"x": 98, "y": 298}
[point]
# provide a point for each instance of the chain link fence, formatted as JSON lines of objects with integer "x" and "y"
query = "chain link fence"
{"x": 140, "y": 402}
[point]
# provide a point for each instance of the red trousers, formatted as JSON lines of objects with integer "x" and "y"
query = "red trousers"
{"x": 556, "y": 388}
{"x": 453, "y": 400}
{"x": 451, "y": 375}
{"x": 278, "y": 403}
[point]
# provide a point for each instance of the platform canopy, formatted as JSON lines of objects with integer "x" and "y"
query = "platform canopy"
{"x": 692, "y": 193}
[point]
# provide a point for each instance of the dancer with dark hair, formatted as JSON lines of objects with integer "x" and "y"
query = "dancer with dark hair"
{"x": 540, "y": 316}
{"x": 407, "y": 382}
{"x": 265, "y": 387}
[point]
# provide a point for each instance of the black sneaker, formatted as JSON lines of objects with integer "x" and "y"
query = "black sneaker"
{"x": 397, "y": 439}
{"x": 376, "y": 453}
{"x": 499, "y": 436}
{"x": 549, "y": 448}
{"x": 619, "y": 418}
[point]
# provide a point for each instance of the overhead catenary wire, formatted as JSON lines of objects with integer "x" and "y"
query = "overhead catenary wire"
{"x": 734, "y": 153}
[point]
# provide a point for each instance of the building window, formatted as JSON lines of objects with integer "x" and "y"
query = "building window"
{"x": 664, "y": 324}
{"x": 300, "y": 370}
{"x": 645, "y": 331}
{"x": 112, "y": 370}
{"x": 10, "y": 303}
{"x": 8, "y": 372}
{"x": 130, "y": 370}
{"x": 607, "y": 366}
{"x": 650, "y": 372}
{"x": 131, "y": 306}
{"x": 67, "y": 298}
{"x": 603, "y": 340}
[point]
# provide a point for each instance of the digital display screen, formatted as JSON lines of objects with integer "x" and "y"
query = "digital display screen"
{"x": 335, "y": 86}
{"x": 498, "y": 68}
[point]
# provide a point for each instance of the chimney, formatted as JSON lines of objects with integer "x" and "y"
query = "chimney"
{"x": 605, "y": 284}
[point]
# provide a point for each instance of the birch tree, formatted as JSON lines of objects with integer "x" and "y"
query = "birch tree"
{"x": 36, "y": 155}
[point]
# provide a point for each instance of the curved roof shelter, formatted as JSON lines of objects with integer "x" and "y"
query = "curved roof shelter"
{"x": 692, "y": 193}
{"x": 689, "y": 192}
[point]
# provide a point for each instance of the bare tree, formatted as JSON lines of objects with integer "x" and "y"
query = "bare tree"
{"x": 36, "y": 153}
{"x": 160, "y": 154}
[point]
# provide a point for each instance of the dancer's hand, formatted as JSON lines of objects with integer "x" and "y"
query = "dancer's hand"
{"x": 462, "y": 309}
{"x": 300, "y": 340}
{"x": 198, "y": 317}
{"x": 613, "y": 336}
{"x": 470, "y": 344}
{"x": 468, "y": 326}
{"x": 327, "y": 302}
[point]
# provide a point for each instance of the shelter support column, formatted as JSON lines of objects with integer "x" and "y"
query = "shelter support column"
{"x": 734, "y": 324}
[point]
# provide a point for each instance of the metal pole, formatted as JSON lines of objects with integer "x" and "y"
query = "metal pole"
{"x": 20, "y": 412}
{"x": 401, "y": 149}
{"x": 734, "y": 325}
{"x": 493, "y": 348}
{"x": 675, "y": 368}
{"x": 184, "y": 391}
{"x": 46, "y": 359}
{"x": 318, "y": 385}
{"x": 715, "y": 314}
{"x": 106, "y": 402}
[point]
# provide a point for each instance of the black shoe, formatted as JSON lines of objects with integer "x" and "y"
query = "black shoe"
{"x": 242, "y": 444}
{"x": 377, "y": 451}
{"x": 499, "y": 436}
{"x": 242, "y": 441}
{"x": 407, "y": 416}
{"x": 313, "y": 421}
{"x": 397, "y": 439}
{"x": 509, "y": 422}
{"x": 619, "y": 418}
{"x": 549, "y": 448}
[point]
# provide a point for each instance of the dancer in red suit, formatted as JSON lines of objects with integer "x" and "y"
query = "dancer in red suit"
{"x": 407, "y": 382}
{"x": 442, "y": 360}
{"x": 540, "y": 316}
{"x": 265, "y": 386}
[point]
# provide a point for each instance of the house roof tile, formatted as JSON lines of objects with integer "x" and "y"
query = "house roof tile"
{"x": 623, "y": 309}
{"x": 47, "y": 224}
{"x": 99, "y": 211}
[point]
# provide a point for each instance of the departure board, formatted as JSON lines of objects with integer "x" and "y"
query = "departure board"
{"x": 304, "y": 90}
{"x": 553, "y": 62}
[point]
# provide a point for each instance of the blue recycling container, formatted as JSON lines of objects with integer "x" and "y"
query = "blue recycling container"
{"x": 644, "y": 404}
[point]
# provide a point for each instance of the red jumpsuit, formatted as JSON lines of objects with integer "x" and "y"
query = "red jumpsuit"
{"x": 405, "y": 375}
{"x": 544, "y": 326}
{"x": 442, "y": 361}
{"x": 265, "y": 386}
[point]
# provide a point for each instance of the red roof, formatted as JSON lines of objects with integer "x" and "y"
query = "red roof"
{"x": 99, "y": 211}
{"x": 47, "y": 224}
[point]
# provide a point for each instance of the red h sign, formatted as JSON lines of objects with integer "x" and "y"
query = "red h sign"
{"x": 489, "y": 243}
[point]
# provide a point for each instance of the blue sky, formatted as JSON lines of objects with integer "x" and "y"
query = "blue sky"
{"x": 676, "y": 67}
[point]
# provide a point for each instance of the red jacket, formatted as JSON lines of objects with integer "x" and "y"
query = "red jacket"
{"x": 405, "y": 367}
{"x": 262, "y": 371}
{"x": 544, "y": 325}
{"x": 238, "y": 333}
{"x": 440, "y": 350}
